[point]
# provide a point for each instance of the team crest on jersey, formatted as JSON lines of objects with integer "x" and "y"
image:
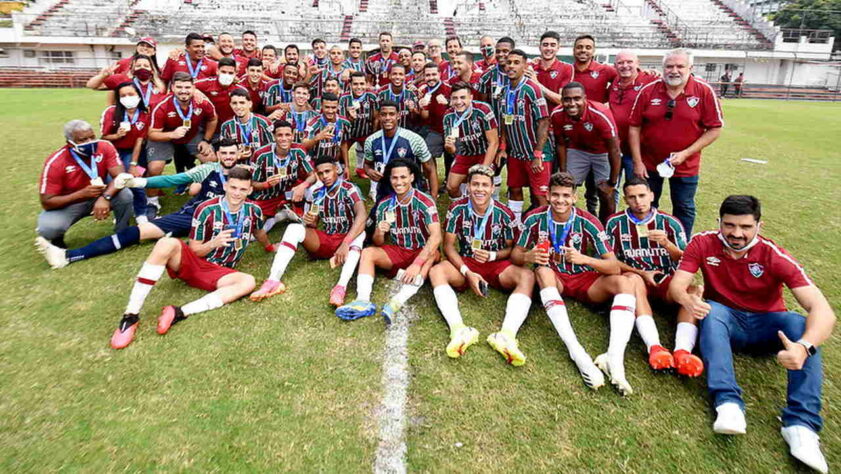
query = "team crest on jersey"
{"x": 575, "y": 238}
{"x": 594, "y": 74}
{"x": 713, "y": 261}
{"x": 756, "y": 269}
{"x": 656, "y": 101}
{"x": 553, "y": 74}
{"x": 588, "y": 126}
{"x": 636, "y": 88}
{"x": 692, "y": 101}
{"x": 139, "y": 125}
{"x": 401, "y": 152}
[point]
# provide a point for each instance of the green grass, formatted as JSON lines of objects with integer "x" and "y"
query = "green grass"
{"x": 284, "y": 385}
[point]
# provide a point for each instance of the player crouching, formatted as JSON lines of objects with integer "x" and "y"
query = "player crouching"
{"x": 409, "y": 219}
{"x": 339, "y": 205}
{"x": 485, "y": 230}
{"x": 222, "y": 228}
{"x": 649, "y": 244}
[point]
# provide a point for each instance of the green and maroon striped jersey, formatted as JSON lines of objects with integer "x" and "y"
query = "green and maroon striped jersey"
{"x": 584, "y": 232}
{"x": 495, "y": 228}
{"x": 520, "y": 108}
{"x": 294, "y": 167}
{"x": 328, "y": 148}
{"x": 491, "y": 84}
{"x": 276, "y": 94}
{"x": 410, "y": 230}
{"x": 637, "y": 251}
{"x": 363, "y": 125}
{"x": 256, "y": 132}
{"x": 402, "y": 99}
{"x": 210, "y": 219}
{"x": 470, "y": 137}
{"x": 335, "y": 206}
{"x": 299, "y": 121}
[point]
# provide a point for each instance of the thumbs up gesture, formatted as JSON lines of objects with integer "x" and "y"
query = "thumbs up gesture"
{"x": 793, "y": 355}
{"x": 697, "y": 307}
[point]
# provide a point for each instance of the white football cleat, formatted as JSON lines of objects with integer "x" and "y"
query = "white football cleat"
{"x": 730, "y": 419}
{"x": 55, "y": 256}
{"x": 804, "y": 444}
{"x": 617, "y": 377}
{"x": 591, "y": 374}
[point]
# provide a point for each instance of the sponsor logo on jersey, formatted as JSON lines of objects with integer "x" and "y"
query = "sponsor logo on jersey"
{"x": 656, "y": 101}
{"x": 217, "y": 225}
{"x": 713, "y": 261}
{"x": 69, "y": 169}
{"x": 756, "y": 269}
{"x": 625, "y": 237}
{"x": 567, "y": 127}
{"x": 692, "y": 101}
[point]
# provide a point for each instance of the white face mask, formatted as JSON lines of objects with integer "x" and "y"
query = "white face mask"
{"x": 130, "y": 101}
{"x": 226, "y": 79}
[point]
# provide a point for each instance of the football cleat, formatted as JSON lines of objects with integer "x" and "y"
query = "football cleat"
{"x": 124, "y": 333}
{"x": 356, "y": 309}
{"x": 688, "y": 364}
{"x": 659, "y": 358}
{"x": 337, "y": 295}
{"x": 507, "y": 346}
{"x": 461, "y": 340}
{"x": 169, "y": 316}
{"x": 55, "y": 256}
{"x": 617, "y": 377}
{"x": 360, "y": 172}
{"x": 590, "y": 374}
{"x": 389, "y": 311}
{"x": 268, "y": 289}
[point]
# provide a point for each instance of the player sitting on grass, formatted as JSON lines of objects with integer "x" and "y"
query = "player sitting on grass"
{"x": 339, "y": 205}
{"x": 222, "y": 228}
{"x": 207, "y": 182}
{"x": 409, "y": 219}
{"x": 557, "y": 238}
{"x": 649, "y": 244}
{"x": 485, "y": 231}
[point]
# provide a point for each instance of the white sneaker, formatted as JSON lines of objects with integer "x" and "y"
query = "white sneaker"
{"x": 804, "y": 445}
{"x": 730, "y": 419}
{"x": 55, "y": 256}
{"x": 141, "y": 220}
{"x": 591, "y": 374}
{"x": 617, "y": 377}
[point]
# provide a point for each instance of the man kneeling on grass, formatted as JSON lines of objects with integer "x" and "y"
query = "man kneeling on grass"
{"x": 339, "y": 206}
{"x": 744, "y": 310}
{"x": 222, "y": 228}
{"x": 484, "y": 230}
{"x": 409, "y": 219}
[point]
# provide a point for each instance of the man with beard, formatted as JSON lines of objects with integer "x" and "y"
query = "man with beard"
{"x": 192, "y": 60}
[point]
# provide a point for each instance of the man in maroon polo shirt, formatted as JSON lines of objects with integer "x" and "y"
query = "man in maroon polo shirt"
{"x": 218, "y": 89}
{"x": 672, "y": 120}
{"x": 434, "y": 100}
{"x": 486, "y": 47}
{"x": 551, "y": 73}
{"x": 378, "y": 65}
{"x": 192, "y": 60}
{"x": 595, "y": 77}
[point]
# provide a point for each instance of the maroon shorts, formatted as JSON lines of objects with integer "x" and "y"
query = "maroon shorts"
{"x": 327, "y": 244}
{"x": 660, "y": 291}
{"x": 400, "y": 258}
{"x": 198, "y": 272}
{"x": 270, "y": 206}
{"x": 462, "y": 163}
{"x": 489, "y": 271}
{"x": 576, "y": 286}
{"x": 521, "y": 175}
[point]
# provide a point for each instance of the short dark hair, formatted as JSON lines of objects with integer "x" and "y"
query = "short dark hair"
{"x": 467, "y": 55}
{"x": 389, "y": 103}
{"x": 574, "y": 85}
{"x": 249, "y": 32}
{"x": 269, "y": 47}
{"x": 227, "y": 62}
{"x": 563, "y": 179}
{"x": 740, "y": 205}
{"x": 280, "y": 124}
{"x": 291, "y": 46}
{"x": 316, "y": 41}
{"x": 299, "y": 85}
{"x": 584, "y": 37}
{"x": 430, "y": 65}
{"x": 635, "y": 181}
{"x": 401, "y": 66}
{"x": 384, "y": 33}
{"x": 329, "y": 96}
{"x": 325, "y": 159}
{"x": 193, "y": 37}
{"x": 333, "y": 79}
{"x": 293, "y": 66}
{"x": 240, "y": 93}
{"x": 354, "y": 40}
{"x": 227, "y": 141}
{"x": 182, "y": 76}
{"x": 551, "y": 34}
{"x": 254, "y": 62}
{"x": 507, "y": 39}
{"x": 357, "y": 74}
{"x": 460, "y": 85}
{"x": 239, "y": 172}
{"x": 518, "y": 52}
{"x": 452, "y": 38}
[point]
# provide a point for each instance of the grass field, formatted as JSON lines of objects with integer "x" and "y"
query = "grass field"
{"x": 286, "y": 386}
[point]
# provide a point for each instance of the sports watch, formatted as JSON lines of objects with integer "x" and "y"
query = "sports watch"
{"x": 810, "y": 348}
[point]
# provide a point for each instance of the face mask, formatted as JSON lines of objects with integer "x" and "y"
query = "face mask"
{"x": 85, "y": 149}
{"x": 143, "y": 74}
{"x": 747, "y": 247}
{"x": 487, "y": 51}
{"x": 226, "y": 79}
{"x": 130, "y": 101}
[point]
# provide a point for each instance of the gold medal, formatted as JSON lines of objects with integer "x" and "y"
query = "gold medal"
{"x": 238, "y": 244}
{"x": 454, "y": 133}
{"x": 557, "y": 257}
{"x": 390, "y": 217}
{"x": 476, "y": 244}
{"x": 97, "y": 181}
{"x": 509, "y": 119}
{"x": 187, "y": 123}
{"x": 282, "y": 172}
{"x": 314, "y": 209}
{"x": 642, "y": 230}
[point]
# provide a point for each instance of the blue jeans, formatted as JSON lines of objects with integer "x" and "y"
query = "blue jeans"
{"x": 683, "y": 197}
{"x": 726, "y": 329}
{"x": 139, "y": 194}
{"x": 626, "y": 169}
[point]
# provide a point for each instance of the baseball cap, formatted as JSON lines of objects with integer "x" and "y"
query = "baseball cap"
{"x": 148, "y": 40}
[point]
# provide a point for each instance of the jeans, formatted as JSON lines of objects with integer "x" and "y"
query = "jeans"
{"x": 683, "y": 197}
{"x": 626, "y": 169}
{"x": 726, "y": 329}
{"x": 139, "y": 194}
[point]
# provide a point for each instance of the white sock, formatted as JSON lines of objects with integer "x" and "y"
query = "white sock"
{"x": 270, "y": 222}
{"x": 685, "y": 337}
{"x": 153, "y": 200}
{"x": 516, "y": 312}
{"x": 373, "y": 191}
{"x": 406, "y": 292}
{"x": 647, "y": 331}
{"x": 462, "y": 189}
{"x": 360, "y": 159}
{"x": 557, "y": 312}
{"x": 497, "y": 185}
{"x": 148, "y": 275}
{"x": 141, "y": 220}
{"x": 293, "y": 236}
{"x": 517, "y": 208}
{"x": 447, "y": 302}
{"x": 364, "y": 286}
{"x": 205, "y": 303}
{"x": 621, "y": 328}
{"x": 352, "y": 259}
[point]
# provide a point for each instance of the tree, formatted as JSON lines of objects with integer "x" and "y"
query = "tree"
{"x": 812, "y": 15}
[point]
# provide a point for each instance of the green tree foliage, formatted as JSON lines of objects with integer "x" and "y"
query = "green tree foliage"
{"x": 812, "y": 14}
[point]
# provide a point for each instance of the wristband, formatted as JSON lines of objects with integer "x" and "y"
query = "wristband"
{"x": 491, "y": 256}
{"x": 503, "y": 146}
{"x": 133, "y": 163}
{"x": 538, "y": 154}
{"x": 463, "y": 270}
{"x": 419, "y": 262}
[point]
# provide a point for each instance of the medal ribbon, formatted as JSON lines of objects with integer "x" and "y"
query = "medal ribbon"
{"x": 92, "y": 171}
{"x": 387, "y": 156}
{"x": 181, "y": 114}
{"x": 193, "y": 72}
{"x": 559, "y": 240}
{"x": 230, "y": 218}
{"x": 479, "y": 228}
{"x": 147, "y": 95}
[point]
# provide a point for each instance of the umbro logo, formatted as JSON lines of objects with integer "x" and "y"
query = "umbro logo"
{"x": 656, "y": 101}
{"x": 713, "y": 261}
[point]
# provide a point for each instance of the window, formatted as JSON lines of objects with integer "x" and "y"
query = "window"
{"x": 57, "y": 57}
{"x": 711, "y": 67}
{"x": 28, "y": 53}
{"x": 116, "y": 55}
